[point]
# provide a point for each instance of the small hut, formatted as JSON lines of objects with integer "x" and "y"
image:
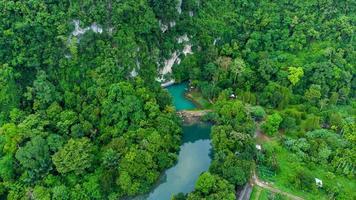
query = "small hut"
{"x": 318, "y": 182}
{"x": 258, "y": 147}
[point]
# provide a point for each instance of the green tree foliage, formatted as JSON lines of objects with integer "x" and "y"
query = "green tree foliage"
{"x": 295, "y": 74}
{"x": 271, "y": 125}
{"x": 267, "y": 157}
{"x": 42, "y": 193}
{"x": 136, "y": 163}
{"x": 237, "y": 67}
{"x": 235, "y": 114}
{"x": 60, "y": 192}
{"x": 233, "y": 145}
{"x": 322, "y": 146}
{"x": 275, "y": 96}
{"x": 233, "y": 168}
{"x": 75, "y": 156}
{"x": 305, "y": 42}
{"x": 9, "y": 98}
{"x": 43, "y": 92}
{"x": 258, "y": 112}
{"x": 7, "y": 168}
{"x": 212, "y": 187}
{"x": 34, "y": 157}
{"x": 313, "y": 94}
{"x": 76, "y": 124}
{"x": 167, "y": 11}
{"x": 303, "y": 179}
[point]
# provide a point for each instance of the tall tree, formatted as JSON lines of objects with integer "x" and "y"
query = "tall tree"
{"x": 76, "y": 156}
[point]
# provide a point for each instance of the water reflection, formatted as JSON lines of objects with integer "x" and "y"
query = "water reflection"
{"x": 194, "y": 155}
{"x": 194, "y": 158}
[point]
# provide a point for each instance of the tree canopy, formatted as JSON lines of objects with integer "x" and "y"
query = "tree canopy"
{"x": 83, "y": 114}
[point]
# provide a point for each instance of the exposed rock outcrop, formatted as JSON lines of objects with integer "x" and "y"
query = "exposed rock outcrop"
{"x": 192, "y": 116}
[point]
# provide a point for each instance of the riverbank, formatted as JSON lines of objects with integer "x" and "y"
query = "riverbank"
{"x": 197, "y": 98}
{"x": 194, "y": 156}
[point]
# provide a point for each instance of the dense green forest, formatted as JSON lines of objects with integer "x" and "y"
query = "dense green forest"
{"x": 83, "y": 116}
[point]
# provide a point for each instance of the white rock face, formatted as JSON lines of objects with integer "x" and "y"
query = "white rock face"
{"x": 80, "y": 31}
{"x": 187, "y": 49}
{"x": 138, "y": 64}
{"x": 110, "y": 30}
{"x": 183, "y": 38}
{"x": 179, "y": 7}
{"x": 77, "y": 30}
{"x": 95, "y": 28}
{"x": 172, "y": 24}
{"x": 168, "y": 83}
{"x": 216, "y": 40}
{"x": 134, "y": 72}
{"x": 162, "y": 26}
{"x": 168, "y": 64}
{"x": 165, "y": 27}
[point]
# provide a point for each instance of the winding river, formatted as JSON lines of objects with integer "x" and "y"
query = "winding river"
{"x": 194, "y": 155}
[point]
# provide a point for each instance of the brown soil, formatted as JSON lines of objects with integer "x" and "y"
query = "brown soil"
{"x": 259, "y": 135}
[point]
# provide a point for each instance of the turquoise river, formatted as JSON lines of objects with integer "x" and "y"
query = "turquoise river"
{"x": 194, "y": 155}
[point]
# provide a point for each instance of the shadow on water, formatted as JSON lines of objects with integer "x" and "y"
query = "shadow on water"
{"x": 194, "y": 132}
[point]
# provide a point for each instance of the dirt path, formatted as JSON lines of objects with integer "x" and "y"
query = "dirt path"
{"x": 259, "y": 135}
{"x": 267, "y": 186}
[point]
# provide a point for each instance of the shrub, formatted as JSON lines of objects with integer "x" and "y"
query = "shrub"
{"x": 258, "y": 113}
{"x": 271, "y": 125}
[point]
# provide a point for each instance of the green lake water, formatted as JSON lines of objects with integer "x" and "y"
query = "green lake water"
{"x": 194, "y": 155}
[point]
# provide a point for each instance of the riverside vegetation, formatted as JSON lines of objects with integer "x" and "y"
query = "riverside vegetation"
{"x": 82, "y": 115}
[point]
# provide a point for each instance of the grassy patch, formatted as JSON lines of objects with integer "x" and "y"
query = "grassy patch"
{"x": 198, "y": 98}
{"x": 289, "y": 164}
{"x": 256, "y": 191}
{"x": 265, "y": 174}
{"x": 264, "y": 194}
{"x": 259, "y": 193}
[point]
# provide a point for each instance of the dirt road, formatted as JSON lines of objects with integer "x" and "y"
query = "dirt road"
{"x": 267, "y": 186}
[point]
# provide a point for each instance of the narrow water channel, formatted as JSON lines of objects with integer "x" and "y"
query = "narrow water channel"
{"x": 194, "y": 155}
